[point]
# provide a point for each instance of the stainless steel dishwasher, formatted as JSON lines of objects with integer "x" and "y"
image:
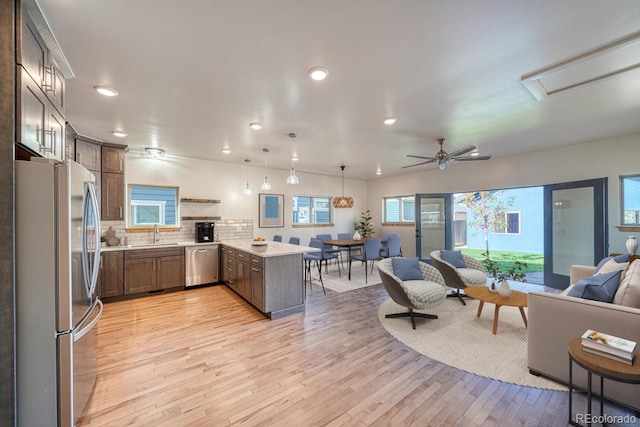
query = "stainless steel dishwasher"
{"x": 201, "y": 265}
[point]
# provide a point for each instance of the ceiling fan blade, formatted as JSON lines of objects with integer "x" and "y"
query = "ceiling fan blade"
{"x": 421, "y": 157}
{"x": 470, "y": 158}
{"x": 419, "y": 164}
{"x": 463, "y": 150}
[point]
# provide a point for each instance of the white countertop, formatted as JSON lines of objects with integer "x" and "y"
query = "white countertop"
{"x": 271, "y": 249}
{"x": 154, "y": 246}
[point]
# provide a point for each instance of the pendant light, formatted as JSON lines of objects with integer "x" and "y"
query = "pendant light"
{"x": 342, "y": 202}
{"x": 247, "y": 190}
{"x": 292, "y": 178}
{"x": 265, "y": 185}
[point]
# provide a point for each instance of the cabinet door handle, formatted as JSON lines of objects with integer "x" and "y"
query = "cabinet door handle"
{"x": 48, "y": 134}
{"x": 121, "y": 165}
{"x": 255, "y": 269}
{"x": 120, "y": 212}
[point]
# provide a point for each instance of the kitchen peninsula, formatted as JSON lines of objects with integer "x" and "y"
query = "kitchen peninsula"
{"x": 268, "y": 276}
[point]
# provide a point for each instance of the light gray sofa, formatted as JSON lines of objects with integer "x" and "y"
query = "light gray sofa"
{"x": 554, "y": 319}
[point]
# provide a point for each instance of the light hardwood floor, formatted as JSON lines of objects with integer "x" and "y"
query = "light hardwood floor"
{"x": 204, "y": 357}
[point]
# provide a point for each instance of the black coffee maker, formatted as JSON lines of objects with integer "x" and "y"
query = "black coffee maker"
{"x": 204, "y": 232}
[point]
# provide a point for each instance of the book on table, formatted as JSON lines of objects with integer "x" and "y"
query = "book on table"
{"x": 627, "y": 360}
{"x": 609, "y": 344}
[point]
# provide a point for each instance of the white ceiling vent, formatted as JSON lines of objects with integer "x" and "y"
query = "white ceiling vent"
{"x": 615, "y": 58}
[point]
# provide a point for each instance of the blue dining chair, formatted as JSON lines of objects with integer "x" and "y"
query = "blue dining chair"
{"x": 294, "y": 240}
{"x": 370, "y": 252}
{"x": 384, "y": 245}
{"x": 392, "y": 247}
{"x": 277, "y": 238}
{"x": 316, "y": 257}
{"x": 329, "y": 252}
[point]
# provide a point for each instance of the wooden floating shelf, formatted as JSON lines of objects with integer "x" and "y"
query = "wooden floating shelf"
{"x": 200, "y": 218}
{"x": 190, "y": 200}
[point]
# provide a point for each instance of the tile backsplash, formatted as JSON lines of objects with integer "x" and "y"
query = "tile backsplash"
{"x": 228, "y": 229}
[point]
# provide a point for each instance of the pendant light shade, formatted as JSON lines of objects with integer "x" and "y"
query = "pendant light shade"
{"x": 342, "y": 202}
{"x": 247, "y": 190}
{"x": 265, "y": 185}
{"x": 292, "y": 178}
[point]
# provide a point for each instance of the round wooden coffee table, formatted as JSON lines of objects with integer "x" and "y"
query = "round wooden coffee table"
{"x": 483, "y": 294}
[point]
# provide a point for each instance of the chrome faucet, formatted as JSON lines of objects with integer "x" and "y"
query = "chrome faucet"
{"x": 156, "y": 234}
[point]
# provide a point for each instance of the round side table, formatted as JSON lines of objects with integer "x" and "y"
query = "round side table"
{"x": 604, "y": 368}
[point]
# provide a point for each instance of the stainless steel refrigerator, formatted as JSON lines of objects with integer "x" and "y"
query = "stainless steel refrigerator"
{"x": 57, "y": 309}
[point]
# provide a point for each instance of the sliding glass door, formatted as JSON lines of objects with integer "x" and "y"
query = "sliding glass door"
{"x": 575, "y": 228}
{"x": 433, "y": 223}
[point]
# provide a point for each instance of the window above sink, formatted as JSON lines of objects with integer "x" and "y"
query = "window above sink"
{"x": 150, "y": 205}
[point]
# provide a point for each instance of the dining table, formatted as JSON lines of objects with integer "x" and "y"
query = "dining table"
{"x": 350, "y": 244}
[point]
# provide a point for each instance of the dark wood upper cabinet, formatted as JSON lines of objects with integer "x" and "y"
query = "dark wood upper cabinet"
{"x": 89, "y": 154}
{"x": 112, "y": 160}
{"x": 112, "y": 196}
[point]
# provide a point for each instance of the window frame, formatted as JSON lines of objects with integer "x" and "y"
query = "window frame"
{"x": 145, "y": 227}
{"x": 622, "y": 202}
{"x": 401, "y": 213}
{"x": 506, "y": 221}
{"x": 313, "y": 200}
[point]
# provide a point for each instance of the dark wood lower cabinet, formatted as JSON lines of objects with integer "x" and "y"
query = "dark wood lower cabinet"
{"x": 149, "y": 270}
{"x": 272, "y": 284}
{"x": 112, "y": 274}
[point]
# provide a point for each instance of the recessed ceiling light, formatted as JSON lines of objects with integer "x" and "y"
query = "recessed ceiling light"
{"x": 106, "y": 91}
{"x": 390, "y": 120}
{"x": 119, "y": 133}
{"x": 295, "y": 158}
{"x": 255, "y": 126}
{"x": 226, "y": 150}
{"x": 318, "y": 73}
{"x": 378, "y": 171}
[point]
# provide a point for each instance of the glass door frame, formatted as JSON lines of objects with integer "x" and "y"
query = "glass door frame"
{"x": 601, "y": 228}
{"x": 448, "y": 222}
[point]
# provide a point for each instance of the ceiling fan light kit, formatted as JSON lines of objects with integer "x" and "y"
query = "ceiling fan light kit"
{"x": 342, "y": 202}
{"x": 443, "y": 158}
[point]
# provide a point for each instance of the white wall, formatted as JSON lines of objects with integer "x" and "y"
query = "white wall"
{"x": 206, "y": 179}
{"x": 606, "y": 158}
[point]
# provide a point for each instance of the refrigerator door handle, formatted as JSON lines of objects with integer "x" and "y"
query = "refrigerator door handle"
{"x": 90, "y": 209}
{"x": 79, "y": 334}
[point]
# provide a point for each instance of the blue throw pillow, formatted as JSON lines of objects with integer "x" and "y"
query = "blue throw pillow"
{"x": 601, "y": 287}
{"x": 618, "y": 259}
{"x": 453, "y": 257}
{"x": 407, "y": 268}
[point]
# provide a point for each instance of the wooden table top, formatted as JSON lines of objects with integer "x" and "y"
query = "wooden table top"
{"x": 482, "y": 293}
{"x": 349, "y": 242}
{"x": 604, "y": 366}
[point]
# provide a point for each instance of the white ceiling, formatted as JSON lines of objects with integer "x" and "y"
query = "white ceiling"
{"x": 193, "y": 74}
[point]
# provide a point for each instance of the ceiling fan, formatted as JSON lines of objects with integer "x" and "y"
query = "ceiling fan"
{"x": 442, "y": 157}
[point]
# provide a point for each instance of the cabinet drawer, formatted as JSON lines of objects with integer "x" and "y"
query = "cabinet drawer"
{"x": 153, "y": 253}
{"x": 243, "y": 255}
{"x": 229, "y": 251}
{"x": 257, "y": 261}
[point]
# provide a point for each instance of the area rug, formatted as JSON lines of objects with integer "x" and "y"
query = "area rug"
{"x": 460, "y": 339}
{"x": 341, "y": 283}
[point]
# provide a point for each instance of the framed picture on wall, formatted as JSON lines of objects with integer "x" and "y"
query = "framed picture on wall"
{"x": 271, "y": 208}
